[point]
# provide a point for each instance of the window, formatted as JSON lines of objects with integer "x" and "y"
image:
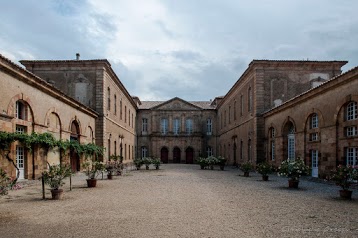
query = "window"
{"x": 234, "y": 110}
{"x": 225, "y": 118}
{"x": 109, "y": 148}
{"x": 21, "y": 110}
{"x": 125, "y": 114}
{"x": 125, "y": 151}
{"x": 144, "y": 124}
{"x": 351, "y": 154}
{"x": 314, "y": 121}
{"x": 144, "y": 152}
{"x": 20, "y": 129}
{"x": 120, "y": 109}
{"x": 351, "y": 113}
{"x": 221, "y": 120}
{"x": 249, "y": 150}
{"x": 291, "y": 143}
{"x": 229, "y": 114}
{"x": 164, "y": 126}
{"x": 209, "y": 126}
{"x": 272, "y": 135}
{"x": 241, "y": 105}
{"x": 108, "y": 99}
{"x": 209, "y": 151}
{"x": 176, "y": 126}
{"x": 241, "y": 150}
{"x": 249, "y": 95}
{"x": 132, "y": 121}
{"x": 129, "y": 117}
{"x": 314, "y": 136}
{"x": 189, "y": 126}
{"x": 351, "y": 131}
{"x": 115, "y": 148}
{"x": 115, "y": 104}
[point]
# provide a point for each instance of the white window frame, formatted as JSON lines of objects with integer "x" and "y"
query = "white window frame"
{"x": 351, "y": 113}
{"x": 164, "y": 126}
{"x": 314, "y": 158}
{"x": 209, "y": 126}
{"x": 176, "y": 126}
{"x": 314, "y": 121}
{"x": 273, "y": 150}
{"x": 351, "y": 155}
{"x": 314, "y": 136}
{"x": 20, "y": 129}
{"x": 144, "y": 124}
{"x": 144, "y": 152}
{"x": 189, "y": 126}
{"x": 351, "y": 131}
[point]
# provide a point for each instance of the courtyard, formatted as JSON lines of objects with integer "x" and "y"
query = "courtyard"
{"x": 181, "y": 201}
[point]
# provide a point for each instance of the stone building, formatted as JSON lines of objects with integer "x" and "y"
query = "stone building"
{"x": 30, "y": 104}
{"x": 264, "y": 85}
{"x": 319, "y": 126}
{"x": 176, "y": 131}
{"x": 96, "y": 85}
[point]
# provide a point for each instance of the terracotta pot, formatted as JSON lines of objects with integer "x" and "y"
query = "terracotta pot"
{"x": 109, "y": 176}
{"x": 212, "y": 167}
{"x": 265, "y": 177}
{"x": 293, "y": 183}
{"x": 156, "y": 167}
{"x": 222, "y": 167}
{"x": 246, "y": 174}
{"x": 147, "y": 167}
{"x": 57, "y": 194}
{"x": 202, "y": 167}
{"x": 91, "y": 183}
{"x": 345, "y": 194}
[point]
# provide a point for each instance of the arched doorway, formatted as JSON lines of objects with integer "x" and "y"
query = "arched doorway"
{"x": 189, "y": 155}
{"x": 176, "y": 155}
{"x": 74, "y": 157}
{"x": 164, "y": 155}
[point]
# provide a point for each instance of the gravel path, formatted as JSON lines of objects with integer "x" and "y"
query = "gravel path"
{"x": 181, "y": 201}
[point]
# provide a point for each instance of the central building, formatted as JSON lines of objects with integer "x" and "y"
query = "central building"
{"x": 176, "y": 131}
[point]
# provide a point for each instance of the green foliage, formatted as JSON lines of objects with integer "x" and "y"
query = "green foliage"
{"x": 6, "y": 183}
{"x": 264, "y": 168}
{"x": 93, "y": 168}
{"x": 293, "y": 169}
{"x": 55, "y": 175}
{"x": 344, "y": 176}
{"x": 247, "y": 167}
{"x": 138, "y": 162}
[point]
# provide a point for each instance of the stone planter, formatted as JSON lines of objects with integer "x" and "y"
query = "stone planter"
{"x": 345, "y": 194}
{"x": 293, "y": 183}
{"x": 265, "y": 177}
{"x": 109, "y": 176}
{"x": 57, "y": 194}
{"x": 91, "y": 183}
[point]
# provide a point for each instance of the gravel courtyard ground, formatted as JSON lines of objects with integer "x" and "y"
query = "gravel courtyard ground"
{"x": 181, "y": 201}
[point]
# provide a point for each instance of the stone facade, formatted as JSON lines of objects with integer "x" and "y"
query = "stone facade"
{"x": 264, "y": 84}
{"x": 323, "y": 134}
{"x": 176, "y": 131}
{"x": 95, "y": 84}
{"x": 29, "y": 104}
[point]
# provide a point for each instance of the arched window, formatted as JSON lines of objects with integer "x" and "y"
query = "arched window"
{"x": 21, "y": 110}
{"x": 351, "y": 111}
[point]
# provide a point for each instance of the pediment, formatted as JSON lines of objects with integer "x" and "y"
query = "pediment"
{"x": 176, "y": 104}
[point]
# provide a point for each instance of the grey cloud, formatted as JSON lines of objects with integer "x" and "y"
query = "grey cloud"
{"x": 186, "y": 55}
{"x": 164, "y": 29}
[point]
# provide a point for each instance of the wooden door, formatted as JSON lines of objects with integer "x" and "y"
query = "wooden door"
{"x": 164, "y": 155}
{"x": 189, "y": 155}
{"x": 176, "y": 155}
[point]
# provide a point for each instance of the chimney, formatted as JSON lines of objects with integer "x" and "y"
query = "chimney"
{"x": 77, "y": 56}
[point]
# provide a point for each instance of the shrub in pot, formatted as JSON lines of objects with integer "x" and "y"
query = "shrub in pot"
{"x": 221, "y": 162}
{"x": 54, "y": 178}
{"x": 293, "y": 170}
{"x": 246, "y": 167}
{"x": 156, "y": 163}
{"x": 264, "y": 169}
{"x": 345, "y": 176}
{"x": 92, "y": 169}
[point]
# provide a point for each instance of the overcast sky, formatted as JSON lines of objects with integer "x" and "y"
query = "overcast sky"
{"x": 192, "y": 49}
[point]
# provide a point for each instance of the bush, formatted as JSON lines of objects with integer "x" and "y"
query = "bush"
{"x": 264, "y": 168}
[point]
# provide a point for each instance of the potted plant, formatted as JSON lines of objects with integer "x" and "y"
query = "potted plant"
{"x": 147, "y": 161}
{"x": 202, "y": 162}
{"x": 264, "y": 169}
{"x": 110, "y": 168}
{"x": 7, "y": 183}
{"x": 54, "y": 178}
{"x": 293, "y": 170}
{"x": 221, "y": 162}
{"x": 92, "y": 170}
{"x": 211, "y": 161}
{"x": 246, "y": 167}
{"x": 156, "y": 163}
{"x": 345, "y": 176}
{"x": 138, "y": 163}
